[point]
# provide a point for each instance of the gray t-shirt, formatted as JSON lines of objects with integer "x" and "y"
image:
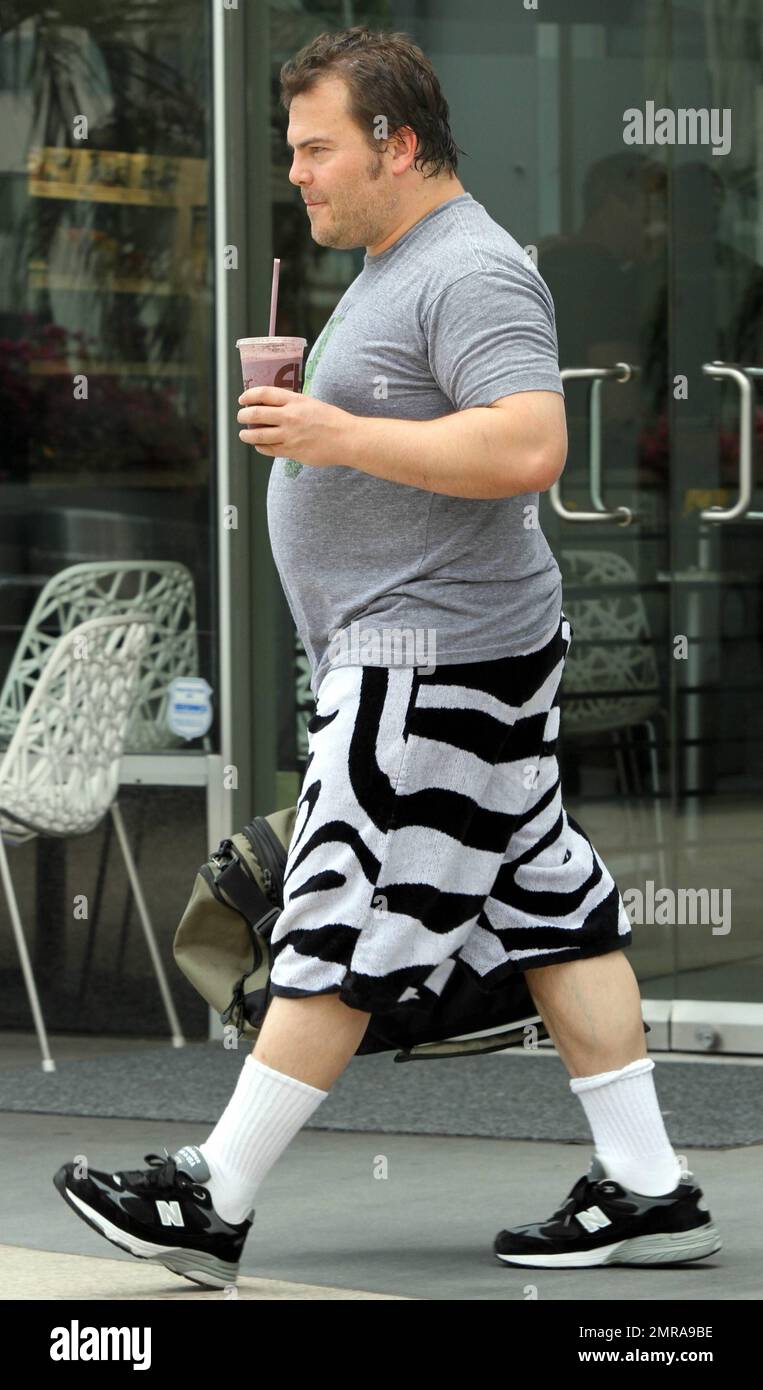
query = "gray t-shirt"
{"x": 452, "y": 315}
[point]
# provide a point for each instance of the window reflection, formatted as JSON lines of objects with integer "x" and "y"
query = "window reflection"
{"x": 105, "y": 296}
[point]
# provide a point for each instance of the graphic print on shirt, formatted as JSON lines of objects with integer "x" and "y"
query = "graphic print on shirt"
{"x": 291, "y": 468}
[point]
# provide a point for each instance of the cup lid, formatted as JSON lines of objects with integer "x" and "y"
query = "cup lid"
{"x": 285, "y": 340}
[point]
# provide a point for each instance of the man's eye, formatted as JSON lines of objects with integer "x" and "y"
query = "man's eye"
{"x": 315, "y": 148}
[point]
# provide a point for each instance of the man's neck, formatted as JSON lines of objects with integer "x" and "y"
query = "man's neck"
{"x": 449, "y": 188}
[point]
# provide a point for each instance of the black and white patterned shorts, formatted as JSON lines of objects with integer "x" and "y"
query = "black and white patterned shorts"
{"x": 430, "y": 827}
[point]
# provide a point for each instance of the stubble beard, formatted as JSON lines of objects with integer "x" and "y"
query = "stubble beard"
{"x": 367, "y": 221}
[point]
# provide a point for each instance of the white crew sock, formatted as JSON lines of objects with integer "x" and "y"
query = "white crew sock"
{"x": 628, "y": 1129}
{"x": 261, "y": 1118}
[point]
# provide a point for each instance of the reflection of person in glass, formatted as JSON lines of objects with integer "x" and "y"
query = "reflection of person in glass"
{"x": 608, "y": 283}
{"x": 593, "y": 272}
{"x": 431, "y": 840}
{"x": 721, "y": 292}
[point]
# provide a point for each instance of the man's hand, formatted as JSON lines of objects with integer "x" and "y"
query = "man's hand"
{"x": 294, "y": 425}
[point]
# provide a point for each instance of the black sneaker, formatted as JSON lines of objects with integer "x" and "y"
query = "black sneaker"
{"x": 161, "y": 1214}
{"x": 604, "y": 1223}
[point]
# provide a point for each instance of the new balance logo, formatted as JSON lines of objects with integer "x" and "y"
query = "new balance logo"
{"x": 170, "y": 1213}
{"x": 593, "y": 1219}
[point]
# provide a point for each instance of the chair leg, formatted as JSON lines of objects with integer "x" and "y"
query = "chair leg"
{"x": 129, "y": 900}
{"x": 26, "y": 965}
{"x": 620, "y": 761}
{"x": 96, "y": 914}
{"x": 638, "y": 785}
{"x": 638, "y": 781}
{"x": 632, "y": 827}
{"x": 177, "y": 1035}
{"x": 655, "y": 767}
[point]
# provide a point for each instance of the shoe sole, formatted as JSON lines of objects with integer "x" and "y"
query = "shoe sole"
{"x": 681, "y": 1247}
{"x": 195, "y": 1265}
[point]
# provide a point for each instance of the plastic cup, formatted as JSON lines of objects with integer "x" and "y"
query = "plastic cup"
{"x": 272, "y": 361}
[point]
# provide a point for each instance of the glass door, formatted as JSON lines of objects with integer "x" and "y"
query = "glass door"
{"x": 656, "y": 268}
{"x": 106, "y": 368}
{"x": 603, "y": 251}
{"x": 715, "y": 317}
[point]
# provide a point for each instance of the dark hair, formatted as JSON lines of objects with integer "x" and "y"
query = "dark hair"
{"x": 386, "y": 74}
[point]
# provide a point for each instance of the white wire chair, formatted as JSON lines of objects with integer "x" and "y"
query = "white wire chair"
{"x": 612, "y": 665}
{"x": 59, "y": 776}
{"x": 161, "y": 589}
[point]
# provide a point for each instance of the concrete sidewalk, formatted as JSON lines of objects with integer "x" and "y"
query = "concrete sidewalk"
{"x": 357, "y": 1216}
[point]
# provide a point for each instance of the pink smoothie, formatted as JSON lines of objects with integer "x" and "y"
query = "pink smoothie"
{"x": 272, "y": 361}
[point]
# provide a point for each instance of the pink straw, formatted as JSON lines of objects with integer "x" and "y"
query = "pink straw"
{"x": 274, "y": 298}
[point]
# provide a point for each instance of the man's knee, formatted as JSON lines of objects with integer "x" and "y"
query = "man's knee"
{"x": 545, "y": 973}
{"x": 554, "y": 967}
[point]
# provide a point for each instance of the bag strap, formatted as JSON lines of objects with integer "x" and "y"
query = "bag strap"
{"x": 510, "y": 1036}
{"x": 246, "y": 896}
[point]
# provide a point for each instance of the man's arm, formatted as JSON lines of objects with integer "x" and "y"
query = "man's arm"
{"x": 514, "y": 446}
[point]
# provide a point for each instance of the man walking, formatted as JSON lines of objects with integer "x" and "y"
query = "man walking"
{"x": 403, "y": 501}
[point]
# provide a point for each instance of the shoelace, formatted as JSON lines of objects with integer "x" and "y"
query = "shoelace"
{"x": 162, "y": 1173}
{"x": 567, "y": 1209}
{"x": 576, "y": 1199}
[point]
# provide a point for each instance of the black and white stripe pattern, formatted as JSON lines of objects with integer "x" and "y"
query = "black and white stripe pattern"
{"x": 430, "y": 825}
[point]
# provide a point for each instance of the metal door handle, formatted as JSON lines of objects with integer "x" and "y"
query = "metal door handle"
{"x": 621, "y": 372}
{"x": 741, "y": 375}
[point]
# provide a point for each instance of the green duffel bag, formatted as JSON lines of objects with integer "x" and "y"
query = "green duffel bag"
{"x": 222, "y": 947}
{"x": 221, "y": 944}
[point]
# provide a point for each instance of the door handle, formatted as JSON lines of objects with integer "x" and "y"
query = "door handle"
{"x": 621, "y": 372}
{"x": 741, "y": 375}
